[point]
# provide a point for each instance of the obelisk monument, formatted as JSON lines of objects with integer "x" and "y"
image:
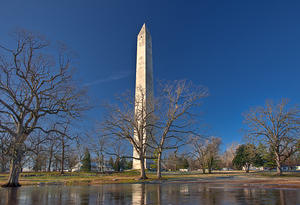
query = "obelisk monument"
{"x": 144, "y": 78}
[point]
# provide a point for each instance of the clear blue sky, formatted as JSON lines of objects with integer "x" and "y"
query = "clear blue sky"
{"x": 244, "y": 51}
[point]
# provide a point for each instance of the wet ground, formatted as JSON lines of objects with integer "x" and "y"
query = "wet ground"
{"x": 213, "y": 191}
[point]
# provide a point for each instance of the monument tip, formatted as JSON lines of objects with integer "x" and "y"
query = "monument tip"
{"x": 144, "y": 26}
{"x": 143, "y": 29}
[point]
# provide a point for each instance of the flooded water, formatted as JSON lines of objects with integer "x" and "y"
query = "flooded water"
{"x": 166, "y": 193}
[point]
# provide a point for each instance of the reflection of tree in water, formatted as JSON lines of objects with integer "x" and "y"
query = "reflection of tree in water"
{"x": 282, "y": 198}
{"x": 12, "y": 196}
{"x": 165, "y": 193}
{"x": 147, "y": 194}
{"x": 34, "y": 197}
{"x": 84, "y": 196}
{"x": 120, "y": 193}
{"x": 218, "y": 194}
{"x": 208, "y": 195}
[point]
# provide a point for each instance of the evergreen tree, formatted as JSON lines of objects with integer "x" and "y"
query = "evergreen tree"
{"x": 86, "y": 161}
{"x": 185, "y": 163}
{"x": 129, "y": 164}
{"x": 117, "y": 164}
{"x": 111, "y": 162}
{"x": 267, "y": 156}
{"x": 155, "y": 160}
{"x": 123, "y": 164}
{"x": 246, "y": 155}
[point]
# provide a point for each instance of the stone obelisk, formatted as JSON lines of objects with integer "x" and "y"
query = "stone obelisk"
{"x": 144, "y": 78}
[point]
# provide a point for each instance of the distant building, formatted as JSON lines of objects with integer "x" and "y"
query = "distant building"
{"x": 226, "y": 169}
{"x": 252, "y": 168}
{"x": 286, "y": 168}
{"x": 95, "y": 167}
{"x": 27, "y": 169}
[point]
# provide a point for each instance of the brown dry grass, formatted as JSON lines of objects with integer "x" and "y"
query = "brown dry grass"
{"x": 229, "y": 177}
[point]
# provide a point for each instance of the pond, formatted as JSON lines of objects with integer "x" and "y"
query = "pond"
{"x": 164, "y": 193}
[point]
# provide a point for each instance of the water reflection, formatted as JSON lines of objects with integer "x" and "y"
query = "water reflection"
{"x": 168, "y": 193}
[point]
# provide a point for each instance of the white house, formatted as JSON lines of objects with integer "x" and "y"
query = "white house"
{"x": 94, "y": 167}
{"x": 252, "y": 168}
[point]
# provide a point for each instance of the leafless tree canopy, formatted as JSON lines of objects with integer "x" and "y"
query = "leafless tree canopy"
{"x": 206, "y": 151}
{"x": 34, "y": 86}
{"x": 129, "y": 120}
{"x": 228, "y": 155}
{"x": 278, "y": 126}
{"x": 178, "y": 104}
{"x": 164, "y": 123}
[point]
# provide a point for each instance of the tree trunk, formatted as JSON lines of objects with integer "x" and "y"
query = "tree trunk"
{"x": 247, "y": 168}
{"x": 143, "y": 172}
{"x": 203, "y": 170}
{"x": 279, "y": 170}
{"x": 50, "y": 158}
{"x": 209, "y": 169}
{"x": 159, "y": 195}
{"x": 102, "y": 162}
{"x": 158, "y": 174}
{"x": 37, "y": 163}
{"x": 143, "y": 195}
{"x": 56, "y": 165}
{"x": 210, "y": 164}
{"x": 62, "y": 156}
{"x": 49, "y": 164}
{"x": 15, "y": 169}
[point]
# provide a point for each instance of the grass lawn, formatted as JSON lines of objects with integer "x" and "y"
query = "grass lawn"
{"x": 92, "y": 178}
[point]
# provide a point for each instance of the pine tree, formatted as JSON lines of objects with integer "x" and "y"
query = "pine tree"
{"x": 86, "y": 161}
{"x": 111, "y": 162}
{"x": 117, "y": 166}
{"x": 245, "y": 156}
{"x": 123, "y": 164}
{"x": 267, "y": 155}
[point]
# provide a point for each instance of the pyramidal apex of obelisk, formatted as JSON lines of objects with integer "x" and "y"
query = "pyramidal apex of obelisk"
{"x": 144, "y": 77}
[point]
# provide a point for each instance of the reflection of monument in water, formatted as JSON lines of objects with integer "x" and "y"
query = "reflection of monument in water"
{"x": 138, "y": 194}
{"x": 146, "y": 194}
{"x": 144, "y": 78}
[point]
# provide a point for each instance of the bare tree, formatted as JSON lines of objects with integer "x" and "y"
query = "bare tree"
{"x": 129, "y": 120}
{"x": 72, "y": 158}
{"x": 199, "y": 151}
{"x": 64, "y": 140}
{"x": 206, "y": 152}
{"x": 36, "y": 148}
{"x": 212, "y": 155}
{"x": 160, "y": 124}
{"x": 98, "y": 144}
{"x": 52, "y": 148}
{"x": 228, "y": 155}
{"x": 107, "y": 146}
{"x": 34, "y": 87}
{"x": 175, "y": 116}
{"x": 278, "y": 126}
{"x": 294, "y": 160}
